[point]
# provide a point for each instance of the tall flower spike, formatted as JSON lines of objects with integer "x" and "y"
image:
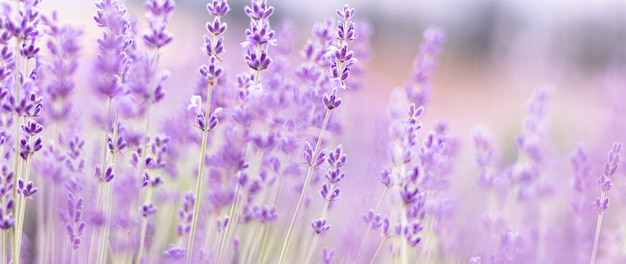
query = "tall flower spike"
{"x": 158, "y": 18}
{"x": 601, "y": 203}
{"x": 205, "y": 119}
{"x": 418, "y": 89}
{"x": 259, "y": 36}
{"x": 113, "y": 62}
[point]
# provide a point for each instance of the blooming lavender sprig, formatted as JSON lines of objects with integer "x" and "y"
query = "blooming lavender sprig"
{"x": 531, "y": 144}
{"x": 24, "y": 27}
{"x": 75, "y": 225}
{"x": 159, "y": 13}
{"x": 601, "y": 203}
{"x": 341, "y": 60}
{"x": 64, "y": 48}
{"x": 341, "y": 56}
{"x": 329, "y": 192}
{"x": 111, "y": 68}
{"x": 258, "y": 37}
{"x": 113, "y": 61}
{"x": 207, "y": 119}
{"x": 151, "y": 162}
{"x": 7, "y": 204}
{"x": 185, "y": 214}
{"x": 485, "y": 157}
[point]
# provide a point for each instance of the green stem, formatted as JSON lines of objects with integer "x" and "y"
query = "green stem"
{"x": 265, "y": 242}
{"x": 307, "y": 180}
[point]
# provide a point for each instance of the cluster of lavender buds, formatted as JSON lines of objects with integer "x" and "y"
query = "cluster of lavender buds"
{"x": 259, "y": 37}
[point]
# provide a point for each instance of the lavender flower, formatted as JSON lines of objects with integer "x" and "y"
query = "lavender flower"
{"x": 75, "y": 225}
{"x": 418, "y": 89}
{"x": 158, "y": 18}
{"x": 185, "y": 214}
{"x": 258, "y": 37}
{"x": 604, "y": 182}
{"x": 113, "y": 60}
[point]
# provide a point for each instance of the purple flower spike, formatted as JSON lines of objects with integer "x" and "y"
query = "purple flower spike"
{"x": 259, "y": 10}
{"x": 327, "y": 255}
{"x": 185, "y": 214}
{"x": 264, "y": 213}
{"x": 601, "y": 206}
{"x": 218, "y": 7}
{"x": 337, "y": 158}
{"x": 29, "y": 50}
{"x": 408, "y": 195}
{"x": 211, "y": 72}
{"x": 385, "y": 177}
{"x": 328, "y": 194}
{"x": 26, "y": 189}
{"x": 148, "y": 209}
{"x": 346, "y": 14}
{"x": 174, "y": 253}
{"x": 32, "y": 127}
{"x": 216, "y": 27}
{"x": 6, "y": 221}
{"x": 331, "y": 101}
{"x": 258, "y": 61}
{"x": 109, "y": 175}
{"x": 319, "y": 226}
{"x": 334, "y": 175}
{"x": 604, "y": 183}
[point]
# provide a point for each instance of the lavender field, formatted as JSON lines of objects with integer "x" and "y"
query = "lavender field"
{"x": 275, "y": 132}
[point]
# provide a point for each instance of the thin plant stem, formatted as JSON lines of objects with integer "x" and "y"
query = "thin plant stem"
{"x": 209, "y": 233}
{"x": 307, "y": 180}
{"x": 144, "y": 227}
{"x": 99, "y": 199}
{"x": 265, "y": 242}
{"x": 198, "y": 194}
{"x": 597, "y": 234}
{"x": 380, "y": 246}
{"x": 317, "y": 235}
{"x": 369, "y": 230}
{"x": 72, "y": 256}
{"x": 141, "y": 169}
{"x": 231, "y": 221}
{"x": 107, "y": 202}
{"x": 3, "y": 247}
{"x": 21, "y": 207}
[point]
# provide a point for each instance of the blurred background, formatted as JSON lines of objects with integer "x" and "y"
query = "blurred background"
{"x": 496, "y": 54}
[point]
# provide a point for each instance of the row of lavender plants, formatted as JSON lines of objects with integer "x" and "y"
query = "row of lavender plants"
{"x": 251, "y": 168}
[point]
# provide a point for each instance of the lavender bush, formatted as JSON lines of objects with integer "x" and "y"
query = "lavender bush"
{"x": 256, "y": 166}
